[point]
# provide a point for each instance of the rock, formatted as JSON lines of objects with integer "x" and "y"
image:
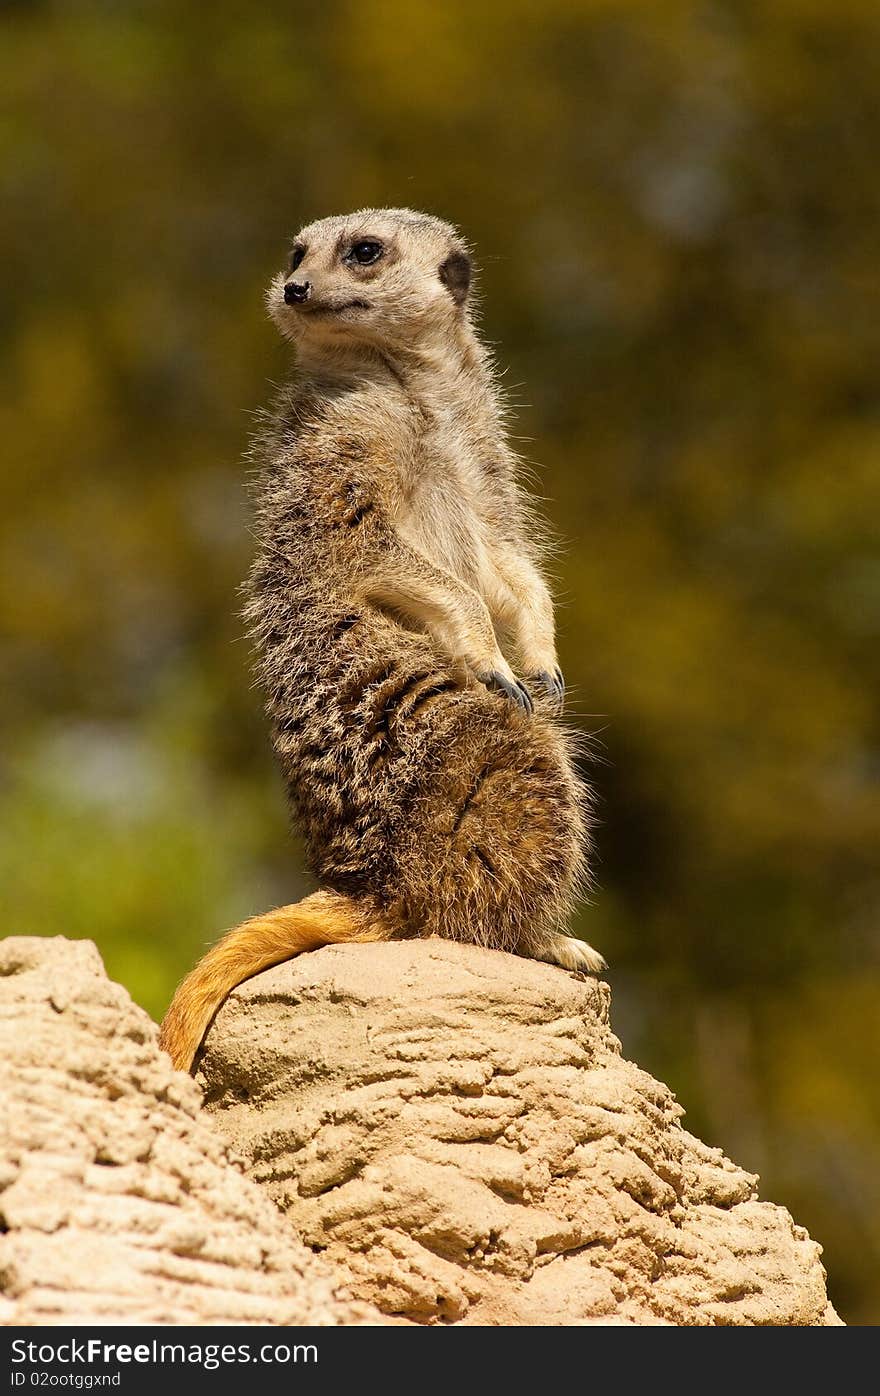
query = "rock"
{"x": 453, "y": 1129}
{"x": 457, "y": 1131}
{"x": 118, "y": 1200}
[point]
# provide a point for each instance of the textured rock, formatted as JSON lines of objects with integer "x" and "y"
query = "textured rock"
{"x": 456, "y": 1129}
{"x": 453, "y": 1128}
{"x": 117, "y": 1198}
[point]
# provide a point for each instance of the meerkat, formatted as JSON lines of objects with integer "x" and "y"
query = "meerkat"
{"x": 404, "y": 629}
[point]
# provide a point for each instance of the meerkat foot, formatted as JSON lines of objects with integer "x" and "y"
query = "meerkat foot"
{"x": 571, "y": 953}
{"x": 512, "y": 689}
{"x": 553, "y": 684}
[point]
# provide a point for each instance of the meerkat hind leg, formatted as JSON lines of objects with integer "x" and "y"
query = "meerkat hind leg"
{"x": 571, "y": 953}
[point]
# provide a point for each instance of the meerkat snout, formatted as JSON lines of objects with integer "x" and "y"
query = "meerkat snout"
{"x": 295, "y": 292}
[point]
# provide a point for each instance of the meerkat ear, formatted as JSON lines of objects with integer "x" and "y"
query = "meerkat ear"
{"x": 455, "y": 273}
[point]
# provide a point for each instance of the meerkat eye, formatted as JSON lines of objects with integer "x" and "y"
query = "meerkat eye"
{"x": 366, "y": 252}
{"x": 296, "y": 257}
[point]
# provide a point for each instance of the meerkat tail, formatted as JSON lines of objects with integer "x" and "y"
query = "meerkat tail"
{"x": 324, "y": 918}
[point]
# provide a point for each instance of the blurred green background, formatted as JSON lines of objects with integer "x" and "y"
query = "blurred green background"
{"x": 675, "y": 207}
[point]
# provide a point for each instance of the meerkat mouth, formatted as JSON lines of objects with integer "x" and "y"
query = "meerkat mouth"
{"x": 317, "y": 308}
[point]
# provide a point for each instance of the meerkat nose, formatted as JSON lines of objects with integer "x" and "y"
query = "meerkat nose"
{"x": 295, "y": 292}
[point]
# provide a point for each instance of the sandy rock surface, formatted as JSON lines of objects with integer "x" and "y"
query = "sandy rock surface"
{"x": 456, "y": 1130}
{"x": 117, "y": 1199}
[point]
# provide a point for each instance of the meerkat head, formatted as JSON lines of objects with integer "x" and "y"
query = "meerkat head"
{"x": 382, "y": 277}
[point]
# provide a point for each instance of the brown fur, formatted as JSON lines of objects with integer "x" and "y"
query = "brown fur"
{"x": 397, "y": 575}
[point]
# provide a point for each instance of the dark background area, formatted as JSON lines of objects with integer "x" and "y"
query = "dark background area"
{"x": 675, "y": 208}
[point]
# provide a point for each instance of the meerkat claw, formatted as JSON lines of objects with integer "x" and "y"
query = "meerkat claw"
{"x": 525, "y": 698}
{"x": 516, "y": 691}
{"x": 553, "y": 685}
{"x": 571, "y": 953}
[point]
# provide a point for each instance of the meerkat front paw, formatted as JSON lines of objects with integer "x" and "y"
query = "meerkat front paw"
{"x": 573, "y": 954}
{"x": 510, "y": 687}
{"x": 553, "y": 685}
